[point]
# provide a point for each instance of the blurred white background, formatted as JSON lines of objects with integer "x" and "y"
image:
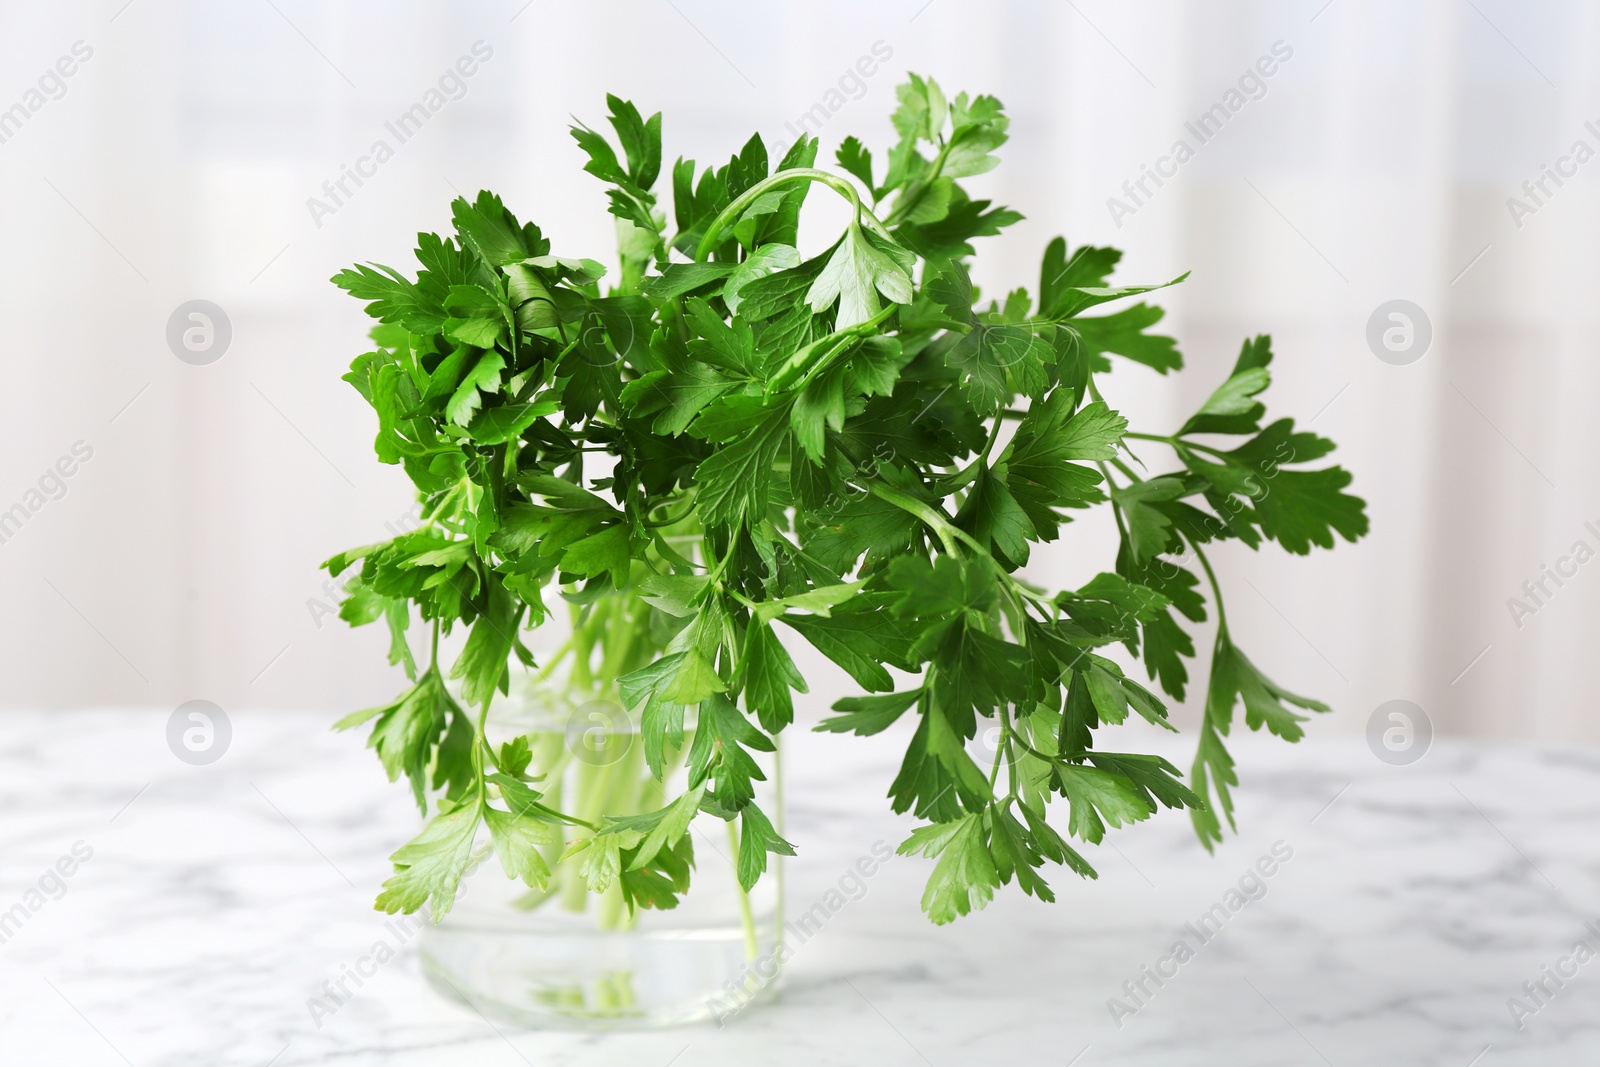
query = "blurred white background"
{"x": 176, "y": 163}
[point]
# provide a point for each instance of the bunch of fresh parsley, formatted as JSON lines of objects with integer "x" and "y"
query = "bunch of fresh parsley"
{"x": 861, "y": 453}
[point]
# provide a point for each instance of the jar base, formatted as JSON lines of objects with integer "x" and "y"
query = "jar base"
{"x": 566, "y": 979}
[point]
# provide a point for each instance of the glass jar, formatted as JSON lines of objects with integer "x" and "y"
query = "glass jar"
{"x": 567, "y": 958}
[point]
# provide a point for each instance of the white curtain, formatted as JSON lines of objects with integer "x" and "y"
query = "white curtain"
{"x": 1378, "y": 160}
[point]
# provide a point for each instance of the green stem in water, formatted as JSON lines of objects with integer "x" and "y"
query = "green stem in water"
{"x": 622, "y": 799}
{"x": 752, "y": 945}
{"x": 555, "y": 660}
{"x": 777, "y": 818}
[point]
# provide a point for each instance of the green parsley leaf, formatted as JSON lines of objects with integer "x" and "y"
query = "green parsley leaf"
{"x": 862, "y": 266}
{"x": 964, "y": 878}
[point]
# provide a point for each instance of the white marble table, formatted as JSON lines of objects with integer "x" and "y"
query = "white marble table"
{"x": 218, "y": 898}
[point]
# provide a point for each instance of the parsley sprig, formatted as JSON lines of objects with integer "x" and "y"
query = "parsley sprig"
{"x": 852, "y": 445}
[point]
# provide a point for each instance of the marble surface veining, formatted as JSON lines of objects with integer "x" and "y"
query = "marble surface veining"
{"x": 1414, "y": 904}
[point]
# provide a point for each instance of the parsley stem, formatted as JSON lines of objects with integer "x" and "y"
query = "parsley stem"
{"x": 962, "y": 478}
{"x": 1006, "y": 733}
{"x": 1030, "y": 750}
{"x": 1116, "y": 509}
{"x": 1179, "y": 442}
{"x": 752, "y": 945}
{"x": 483, "y": 740}
{"x": 842, "y": 340}
{"x": 947, "y": 533}
{"x": 671, "y": 520}
{"x": 1125, "y": 469}
{"x": 965, "y": 475}
{"x": 999, "y": 753}
{"x": 994, "y": 435}
{"x": 436, "y": 514}
{"x": 561, "y": 653}
{"x": 1216, "y": 590}
{"x": 733, "y": 211}
{"x": 777, "y": 818}
{"x": 913, "y": 196}
{"x": 722, "y": 565}
{"x": 1219, "y": 453}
